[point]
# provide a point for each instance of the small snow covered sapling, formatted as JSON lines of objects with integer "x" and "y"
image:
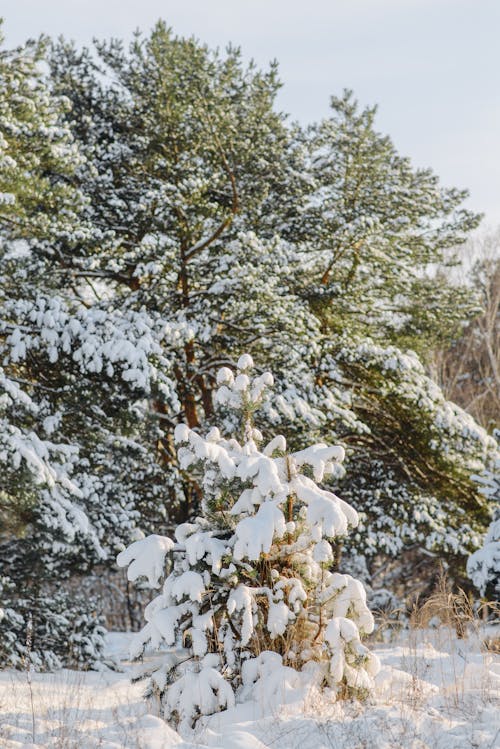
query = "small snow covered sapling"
{"x": 250, "y": 591}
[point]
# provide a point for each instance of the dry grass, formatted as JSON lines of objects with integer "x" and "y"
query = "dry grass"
{"x": 454, "y": 610}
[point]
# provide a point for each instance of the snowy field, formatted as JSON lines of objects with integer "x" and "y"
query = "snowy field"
{"x": 433, "y": 691}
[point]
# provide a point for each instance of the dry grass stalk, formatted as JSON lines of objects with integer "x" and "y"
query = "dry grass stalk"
{"x": 453, "y": 610}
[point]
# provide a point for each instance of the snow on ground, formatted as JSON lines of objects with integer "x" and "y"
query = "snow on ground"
{"x": 433, "y": 692}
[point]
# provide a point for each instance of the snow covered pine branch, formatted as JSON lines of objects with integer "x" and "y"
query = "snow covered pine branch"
{"x": 250, "y": 607}
{"x": 483, "y": 566}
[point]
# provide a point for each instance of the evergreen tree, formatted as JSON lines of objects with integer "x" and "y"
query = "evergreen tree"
{"x": 250, "y": 592}
{"x": 183, "y": 220}
{"x": 38, "y": 155}
{"x": 42, "y": 502}
{"x": 410, "y": 469}
{"x": 242, "y": 233}
{"x": 184, "y": 151}
{"x": 483, "y": 565}
{"x": 379, "y": 228}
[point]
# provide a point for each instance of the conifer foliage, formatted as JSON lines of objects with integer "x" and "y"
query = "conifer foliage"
{"x": 483, "y": 566}
{"x": 251, "y": 601}
{"x": 158, "y": 214}
{"x": 44, "y": 527}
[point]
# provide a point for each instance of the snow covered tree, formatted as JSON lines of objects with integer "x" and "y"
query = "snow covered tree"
{"x": 81, "y": 498}
{"x": 251, "y": 596}
{"x": 241, "y": 233}
{"x": 182, "y": 220}
{"x": 379, "y": 228}
{"x": 186, "y": 162}
{"x": 38, "y": 155}
{"x": 50, "y": 631}
{"x": 193, "y": 183}
{"x": 483, "y": 566}
{"x": 409, "y": 469}
{"x": 42, "y": 505}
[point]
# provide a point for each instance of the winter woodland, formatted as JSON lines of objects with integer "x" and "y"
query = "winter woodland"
{"x": 249, "y": 400}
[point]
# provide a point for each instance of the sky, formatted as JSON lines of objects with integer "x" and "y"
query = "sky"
{"x": 431, "y": 66}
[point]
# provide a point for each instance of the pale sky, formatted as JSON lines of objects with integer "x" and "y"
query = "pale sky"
{"x": 432, "y": 66}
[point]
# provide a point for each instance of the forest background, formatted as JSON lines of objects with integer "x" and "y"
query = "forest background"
{"x": 159, "y": 216}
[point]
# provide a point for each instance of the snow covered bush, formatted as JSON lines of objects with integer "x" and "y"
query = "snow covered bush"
{"x": 64, "y": 630}
{"x": 483, "y": 566}
{"x": 250, "y": 600}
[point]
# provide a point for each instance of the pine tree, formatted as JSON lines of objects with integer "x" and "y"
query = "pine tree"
{"x": 379, "y": 228}
{"x": 38, "y": 155}
{"x": 250, "y": 594}
{"x": 184, "y": 152}
{"x": 483, "y": 566}
{"x": 196, "y": 222}
{"x": 42, "y": 506}
{"x": 241, "y": 233}
{"x": 410, "y": 469}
